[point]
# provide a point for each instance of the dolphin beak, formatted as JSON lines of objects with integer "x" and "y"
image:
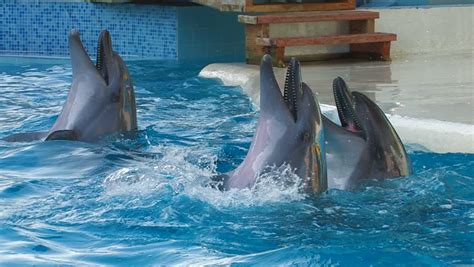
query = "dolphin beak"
{"x": 104, "y": 54}
{"x": 345, "y": 106}
{"x": 271, "y": 99}
{"x": 293, "y": 89}
{"x": 80, "y": 60}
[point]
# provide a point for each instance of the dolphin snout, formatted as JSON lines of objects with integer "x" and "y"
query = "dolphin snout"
{"x": 267, "y": 59}
{"x": 74, "y": 33}
{"x": 104, "y": 34}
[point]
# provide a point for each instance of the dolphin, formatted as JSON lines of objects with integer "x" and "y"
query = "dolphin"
{"x": 101, "y": 100}
{"x": 289, "y": 131}
{"x": 365, "y": 146}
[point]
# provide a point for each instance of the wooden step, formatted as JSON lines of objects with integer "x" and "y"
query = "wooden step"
{"x": 296, "y": 17}
{"x": 328, "y": 40}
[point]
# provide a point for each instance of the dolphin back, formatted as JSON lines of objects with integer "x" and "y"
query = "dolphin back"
{"x": 391, "y": 159}
{"x": 26, "y": 137}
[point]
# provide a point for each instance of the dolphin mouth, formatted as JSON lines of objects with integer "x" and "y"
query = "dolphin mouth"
{"x": 104, "y": 52}
{"x": 293, "y": 87}
{"x": 345, "y": 106}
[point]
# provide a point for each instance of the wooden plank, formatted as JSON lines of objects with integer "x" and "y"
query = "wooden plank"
{"x": 254, "y": 52}
{"x": 309, "y": 17}
{"x": 245, "y": 19}
{"x": 362, "y": 26}
{"x": 299, "y": 7}
{"x": 328, "y": 40}
{"x": 279, "y": 57}
{"x": 220, "y": 5}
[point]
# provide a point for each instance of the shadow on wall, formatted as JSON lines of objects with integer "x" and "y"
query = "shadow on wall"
{"x": 206, "y": 35}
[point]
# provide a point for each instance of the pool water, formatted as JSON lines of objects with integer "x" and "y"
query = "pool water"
{"x": 143, "y": 201}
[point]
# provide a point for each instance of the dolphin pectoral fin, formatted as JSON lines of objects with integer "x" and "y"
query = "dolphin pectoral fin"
{"x": 390, "y": 154}
{"x": 25, "y": 137}
{"x": 62, "y": 135}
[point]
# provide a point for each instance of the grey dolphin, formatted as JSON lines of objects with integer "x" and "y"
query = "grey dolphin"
{"x": 101, "y": 100}
{"x": 365, "y": 146}
{"x": 289, "y": 131}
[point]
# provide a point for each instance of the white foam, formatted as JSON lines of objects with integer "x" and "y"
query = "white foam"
{"x": 174, "y": 175}
{"x": 434, "y": 135}
{"x": 278, "y": 185}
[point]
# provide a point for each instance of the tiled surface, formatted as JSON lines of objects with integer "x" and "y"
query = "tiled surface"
{"x": 40, "y": 28}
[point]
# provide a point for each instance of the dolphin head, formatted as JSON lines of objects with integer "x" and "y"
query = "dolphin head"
{"x": 308, "y": 135}
{"x": 365, "y": 146}
{"x": 101, "y": 100}
{"x": 288, "y": 131}
{"x": 115, "y": 73}
{"x": 389, "y": 154}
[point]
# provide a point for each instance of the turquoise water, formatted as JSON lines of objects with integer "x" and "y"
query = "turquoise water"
{"x": 142, "y": 201}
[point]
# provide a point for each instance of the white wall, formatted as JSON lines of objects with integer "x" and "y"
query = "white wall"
{"x": 428, "y": 29}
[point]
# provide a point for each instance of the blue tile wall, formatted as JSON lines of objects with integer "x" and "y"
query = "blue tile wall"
{"x": 40, "y": 28}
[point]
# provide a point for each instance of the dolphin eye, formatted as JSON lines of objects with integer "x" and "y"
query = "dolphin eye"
{"x": 306, "y": 137}
{"x": 115, "y": 98}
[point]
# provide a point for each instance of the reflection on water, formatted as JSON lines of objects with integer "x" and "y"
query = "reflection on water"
{"x": 423, "y": 86}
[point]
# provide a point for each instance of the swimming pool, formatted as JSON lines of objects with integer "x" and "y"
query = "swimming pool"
{"x": 142, "y": 201}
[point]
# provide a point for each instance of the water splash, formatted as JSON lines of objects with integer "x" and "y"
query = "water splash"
{"x": 174, "y": 173}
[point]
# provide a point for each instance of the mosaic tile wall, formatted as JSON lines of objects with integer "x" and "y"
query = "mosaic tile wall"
{"x": 40, "y": 28}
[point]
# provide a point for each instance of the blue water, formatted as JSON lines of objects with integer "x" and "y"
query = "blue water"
{"x": 142, "y": 201}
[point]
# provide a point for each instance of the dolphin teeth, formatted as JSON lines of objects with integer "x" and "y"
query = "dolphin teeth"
{"x": 100, "y": 64}
{"x": 345, "y": 108}
{"x": 286, "y": 89}
{"x": 290, "y": 94}
{"x": 99, "y": 55}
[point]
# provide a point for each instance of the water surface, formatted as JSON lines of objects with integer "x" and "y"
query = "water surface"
{"x": 142, "y": 201}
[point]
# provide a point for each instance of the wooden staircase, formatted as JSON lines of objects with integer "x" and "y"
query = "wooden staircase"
{"x": 363, "y": 40}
